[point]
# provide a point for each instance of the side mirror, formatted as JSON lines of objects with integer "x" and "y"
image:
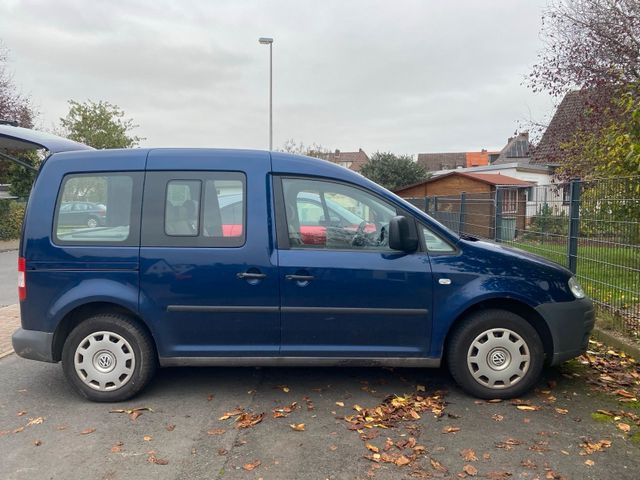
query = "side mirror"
{"x": 402, "y": 234}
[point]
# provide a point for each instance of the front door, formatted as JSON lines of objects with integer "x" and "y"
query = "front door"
{"x": 209, "y": 288}
{"x": 344, "y": 292}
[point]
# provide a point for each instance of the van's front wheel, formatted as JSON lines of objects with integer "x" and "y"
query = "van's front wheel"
{"x": 495, "y": 354}
{"x": 108, "y": 358}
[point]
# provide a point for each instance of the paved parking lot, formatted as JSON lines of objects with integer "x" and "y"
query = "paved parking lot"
{"x": 183, "y": 437}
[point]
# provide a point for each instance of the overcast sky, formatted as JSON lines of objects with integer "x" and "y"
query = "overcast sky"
{"x": 401, "y": 76}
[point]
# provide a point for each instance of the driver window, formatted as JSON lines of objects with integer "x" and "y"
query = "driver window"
{"x": 335, "y": 216}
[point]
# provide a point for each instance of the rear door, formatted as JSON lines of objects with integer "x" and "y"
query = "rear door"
{"x": 210, "y": 288}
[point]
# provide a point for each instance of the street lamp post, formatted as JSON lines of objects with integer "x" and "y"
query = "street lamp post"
{"x": 269, "y": 41}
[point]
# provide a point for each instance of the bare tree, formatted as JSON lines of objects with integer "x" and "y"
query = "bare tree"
{"x": 13, "y": 105}
{"x": 589, "y": 44}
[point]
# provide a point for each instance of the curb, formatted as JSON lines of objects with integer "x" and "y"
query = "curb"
{"x": 6, "y": 354}
{"x": 617, "y": 342}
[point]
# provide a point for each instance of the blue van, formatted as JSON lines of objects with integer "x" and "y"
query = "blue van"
{"x": 207, "y": 257}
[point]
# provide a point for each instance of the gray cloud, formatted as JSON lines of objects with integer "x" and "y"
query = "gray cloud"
{"x": 405, "y": 76}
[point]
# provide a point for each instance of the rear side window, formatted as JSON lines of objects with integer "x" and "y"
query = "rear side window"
{"x": 98, "y": 209}
{"x": 194, "y": 209}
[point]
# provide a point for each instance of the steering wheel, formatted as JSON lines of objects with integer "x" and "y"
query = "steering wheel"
{"x": 359, "y": 236}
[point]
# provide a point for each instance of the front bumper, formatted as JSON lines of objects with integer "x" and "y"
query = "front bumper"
{"x": 570, "y": 324}
{"x": 33, "y": 344}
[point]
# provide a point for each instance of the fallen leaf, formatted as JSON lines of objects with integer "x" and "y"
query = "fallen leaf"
{"x": 87, "y": 431}
{"x": 171, "y": 427}
{"x": 251, "y": 466}
{"x": 625, "y": 427}
{"x": 35, "y": 421}
{"x": 333, "y": 448}
{"x": 222, "y": 451}
{"x": 22, "y": 413}
{"x": 18, "y": 430}
{"x": 216, "y": 431}
{"x": 158, "y": 461}
{"x": 233, "y": 413}
{"x": 508, "y": 444}
{"x": 498, "y": 475}
{"x": 528, "y": 463}
{"x": 470, "y": 470}
{"x": 438, "y": 466}
{"x": 298, "y": 427}
{"x": 450, "y": 429}
{"x": 468, "y": 455}
{"x": 284, "y": 411}
{"x": 527, "y": 408}
{"x": 372, "y": 448}
{"x": 247, "y": 420}
{"x": 401, "y": 461}
{"x": 134, "y": 415}
{"x": 117, "y": 447}
{"x": 561, "y": 411}
{"x": 37, "y": 443}
{"x": 589, "y": 463}
{"x": 340, "y": 404}
{"x": 147, "y": 438}
{"x": 497, "y": 417}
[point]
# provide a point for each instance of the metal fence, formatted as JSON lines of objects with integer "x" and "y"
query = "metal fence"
{"x": 590, "y": 227}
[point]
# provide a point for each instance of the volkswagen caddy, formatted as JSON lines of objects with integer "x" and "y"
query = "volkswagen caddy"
{"x": 217, "y": 257}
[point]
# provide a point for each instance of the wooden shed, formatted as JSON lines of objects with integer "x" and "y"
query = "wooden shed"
{"x": 477, "y": 217}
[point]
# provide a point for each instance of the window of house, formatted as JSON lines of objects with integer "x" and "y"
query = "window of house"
{"x": 96, "y": 209}
{"x": 509, "y": 201}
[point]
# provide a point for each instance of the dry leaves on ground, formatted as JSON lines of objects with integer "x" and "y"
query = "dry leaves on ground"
{"x": 617, "y": 373}
{"x": 591, "y": 447}
{"x": 152, "y": 458}
{"x": 281, "y": 412}
{"x": 87, "y": 431}
{"x": 132, "y": 412}
{"x": 298, "y": 427}
{"x": 243, "y": 419}
{"x": 251, "y": 466}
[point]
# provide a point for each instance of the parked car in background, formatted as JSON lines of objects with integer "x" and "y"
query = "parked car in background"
{"x": 237, "y": 257}
{"x": 82, "y": 213}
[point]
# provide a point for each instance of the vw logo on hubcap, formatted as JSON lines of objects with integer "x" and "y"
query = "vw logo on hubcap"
{"x": 104, "y": 361}
{"x": 498, "y": 358}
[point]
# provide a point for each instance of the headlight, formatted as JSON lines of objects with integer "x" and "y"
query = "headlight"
{"x": 575, "y": 288}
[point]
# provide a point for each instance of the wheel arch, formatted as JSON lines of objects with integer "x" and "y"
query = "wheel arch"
{"x": 515, "y": 306}
{"x": 81, "y": 312}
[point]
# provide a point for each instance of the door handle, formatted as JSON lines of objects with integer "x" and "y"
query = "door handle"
{"x": 251, "y": 276}
{"x": 300, "y": 278}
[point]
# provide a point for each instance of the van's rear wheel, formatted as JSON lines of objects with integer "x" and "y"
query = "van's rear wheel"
{"x": 108, "y": 358}
{"x": 495, "y": 354}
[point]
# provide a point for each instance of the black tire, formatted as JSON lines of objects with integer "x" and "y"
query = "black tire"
{"x": 142, "y": 347}
{"x": 463, "y": 361}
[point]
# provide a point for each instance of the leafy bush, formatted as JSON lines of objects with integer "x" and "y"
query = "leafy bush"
{"x": 547, "y": 222}
{"x": 11, "y": 215}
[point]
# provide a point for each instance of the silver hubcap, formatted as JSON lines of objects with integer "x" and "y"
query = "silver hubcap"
{"x": 92, "y": 223}
{"x": 104, "y": 361}
{"x": 498, "y": 358}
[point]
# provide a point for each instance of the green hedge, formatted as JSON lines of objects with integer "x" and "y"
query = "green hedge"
{"x": 11, "y": 215}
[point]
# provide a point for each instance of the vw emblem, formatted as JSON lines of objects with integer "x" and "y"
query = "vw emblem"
{"x": 105, "y": 360}
{"x": 498, "y": 358}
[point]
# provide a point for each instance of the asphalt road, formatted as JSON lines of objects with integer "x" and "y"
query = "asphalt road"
{"x": 193, "y": 400}
{"x": 8, "y": 277}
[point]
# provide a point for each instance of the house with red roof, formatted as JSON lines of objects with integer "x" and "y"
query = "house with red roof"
{"x": 479, "y": 190}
